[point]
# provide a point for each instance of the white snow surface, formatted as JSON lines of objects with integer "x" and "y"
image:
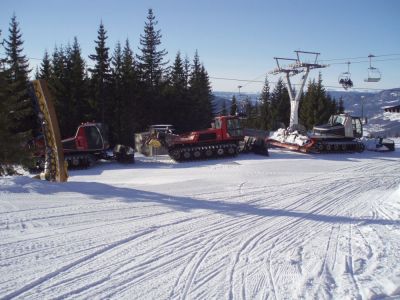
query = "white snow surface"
{"x": 287, "y": 226}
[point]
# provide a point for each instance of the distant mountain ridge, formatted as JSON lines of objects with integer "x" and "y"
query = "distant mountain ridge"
{"x": 366, "y": 104}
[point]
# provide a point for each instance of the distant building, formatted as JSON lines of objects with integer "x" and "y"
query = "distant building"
{"x": 392, "y": 109}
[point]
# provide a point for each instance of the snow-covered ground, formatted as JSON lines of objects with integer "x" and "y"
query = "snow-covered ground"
{"x": 288, "y": 226}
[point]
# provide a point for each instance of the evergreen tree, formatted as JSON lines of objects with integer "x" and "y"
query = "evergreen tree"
{"x": 151, "y": 64}
{"x": 45, "y": 67}
{"x": 265, "y": 118}
{"x": 59, "y": 88}
{"x": 252, "y": 114}
{"x": 316, "y": 106}
{"x": 224, "y": 110}
{"x": 17, "y": 118}
{"x": 23, "y": 118}
{"x": 327, "y": 106}
{"x": 151, "y": 67}
{"x": 340, "y": 108}
{"x": 78, "y": 87}
{"x": 117, "y": 90}
{"x": 207, "y": 106}
{"x": 37, "y": 73}
{"x": 186, "y": 70}
{"x": 280, "y": 105}
{"x": 178, "y": 77}
{"x": 100, "y": 80}
{"x": 177, "y": 103}
{"x": 234, "y": 107}
{"x": 11, "y": 151}
{"x": 132, "y": 104}
{"x": 200, "y": 95}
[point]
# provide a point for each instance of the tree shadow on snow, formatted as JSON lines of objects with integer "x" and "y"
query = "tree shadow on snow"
{"x": 101, "y": 191}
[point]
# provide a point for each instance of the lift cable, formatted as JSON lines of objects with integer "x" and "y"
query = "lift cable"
{"x": 359, "y": 57}
{"x": 255, "y": 80}
{"x": 365, "y": 61}
{"x": 275, "y": 82}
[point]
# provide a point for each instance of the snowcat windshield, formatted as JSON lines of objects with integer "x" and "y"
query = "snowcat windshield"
{"x": 336, "y": 120}
{"x": 234, "y": 127}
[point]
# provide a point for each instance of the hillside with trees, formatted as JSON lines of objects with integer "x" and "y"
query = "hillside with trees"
{"x": 128, "y": 91}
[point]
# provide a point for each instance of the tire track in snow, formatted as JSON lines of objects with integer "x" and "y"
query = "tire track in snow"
{"x": 350, "y": 265}
{"x": 334, "y": 203}
{"x": 323, "y": 272}
{"x": 214, "y": 232}
{"x": 199, "y": 261}
{"x": 270, "y": 272}
{"x": 69, "y": 266}
{"x": 217, "y": 239}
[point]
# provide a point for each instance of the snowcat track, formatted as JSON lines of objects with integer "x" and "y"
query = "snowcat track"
{"x": 323, "y": 146}
{"x": 74, "y": 162}
{"x": 80, "y": 161}
{"x": 337, "y": 147}
{"x": 188, "y": 153}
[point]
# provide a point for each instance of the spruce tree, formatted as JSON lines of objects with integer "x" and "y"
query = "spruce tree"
{"x": 175, "y": 96}
{"x": 151, "y": 60}
{"x": 151, "y": 68}
{"x": 265, "y": 118}
{"x": 59, "y": 87}
{"x": 234, "y": 107}
{"x": 206, "y": 104}
{"x": 307, "y": 107}
{"x": 224, "y": 110}
{"x": 11, "y": 151}
{"x": 340, "y": 108}
{"x": 117, "y": 90}
{"x": 131, "y": 117}
{"x": 100, "y": 80}
{"x": 17, "y": 118}
{"x": 200, "y": 95}
{"x": 78, "y": 87}
{"x": 36, "y": 73}
{"x": 280, "y": 105}
{"x": 186, "y": 70}
{"x": 316, "y": 106}
{"x": 23, "y": 117}
{"x": 177, "y": 75}
{"x": 326, "y": 106}
{"x": 45, "y": 67}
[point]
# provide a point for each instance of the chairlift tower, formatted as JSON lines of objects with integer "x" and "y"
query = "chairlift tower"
{"x": 296, "y": 67}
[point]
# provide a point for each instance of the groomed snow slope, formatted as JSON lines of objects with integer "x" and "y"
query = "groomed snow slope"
{"x": 288, "y": 226}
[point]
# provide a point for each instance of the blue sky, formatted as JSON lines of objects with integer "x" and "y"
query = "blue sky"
{"x": 235, "y": 39}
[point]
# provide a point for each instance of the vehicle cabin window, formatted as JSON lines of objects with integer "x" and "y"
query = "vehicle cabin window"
{"x": 339, "y": 120}
{"x": 93, "y": 137}
{"x": 357, "y": 127}
{"x": 217, "y": 124}
{"x": 234, "y": 127}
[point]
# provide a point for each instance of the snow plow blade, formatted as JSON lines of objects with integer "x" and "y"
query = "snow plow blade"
{"x": 255, "y": 141}
{"x": 379, "y": 144}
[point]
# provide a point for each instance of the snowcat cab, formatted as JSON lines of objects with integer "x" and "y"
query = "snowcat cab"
{"x": 340, "y": 126}
{"x": 88, "y": 137}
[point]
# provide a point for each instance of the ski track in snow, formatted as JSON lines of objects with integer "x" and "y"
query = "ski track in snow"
{"x": 290, "y": 226}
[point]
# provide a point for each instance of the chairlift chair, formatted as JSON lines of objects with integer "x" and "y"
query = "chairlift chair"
{"x": 374, "y": 75}
{"x": 344, "y": 78}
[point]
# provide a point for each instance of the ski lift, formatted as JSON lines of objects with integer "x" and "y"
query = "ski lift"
{"x": 373, "y": 73}
{"x": 344, "y": 78}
